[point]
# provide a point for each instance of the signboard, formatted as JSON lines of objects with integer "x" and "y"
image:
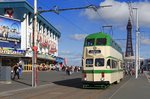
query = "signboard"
{"x": 11, "y": 52}
{"x": 10, "y": 33}
{"x": 59, "y": 59}
{"x": 94, "y": 51}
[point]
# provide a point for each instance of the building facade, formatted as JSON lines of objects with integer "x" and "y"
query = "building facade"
{"x": 16, "y": 36}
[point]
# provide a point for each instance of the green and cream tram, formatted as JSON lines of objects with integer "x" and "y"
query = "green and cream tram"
{"x": 102, "y": 61}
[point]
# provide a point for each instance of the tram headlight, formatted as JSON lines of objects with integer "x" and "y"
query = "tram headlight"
{"x": 84, "y": 76}
{"x": 102, "y": 76}
{"x": 102, "y": 79}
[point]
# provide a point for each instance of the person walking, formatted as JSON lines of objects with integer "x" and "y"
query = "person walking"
{"x": 20, "y": 68}
{"x": 16, "y": 71}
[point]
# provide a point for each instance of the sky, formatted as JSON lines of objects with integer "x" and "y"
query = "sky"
{"x": 77, "y": 24}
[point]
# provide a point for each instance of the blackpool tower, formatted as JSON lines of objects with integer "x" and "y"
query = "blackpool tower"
{"x": 129, "y": 47}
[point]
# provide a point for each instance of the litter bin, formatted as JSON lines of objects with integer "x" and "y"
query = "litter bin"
{"x": 5, "y": 74}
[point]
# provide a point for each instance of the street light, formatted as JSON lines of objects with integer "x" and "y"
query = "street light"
{"x": 137, "y": 44}
{"x": 34, "y": 48}
{"x": 57, "y": 10}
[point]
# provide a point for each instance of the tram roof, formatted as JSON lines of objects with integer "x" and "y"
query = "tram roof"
{"x": 98, "y": 35}
{"x": 110, "y": 41}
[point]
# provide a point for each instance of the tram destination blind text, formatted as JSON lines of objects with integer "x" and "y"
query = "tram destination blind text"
{"x": 94, "y": 51}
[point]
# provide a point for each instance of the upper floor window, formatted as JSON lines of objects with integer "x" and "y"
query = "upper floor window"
{"x": 89, "y": 42}
{"x": 101, "y": 41}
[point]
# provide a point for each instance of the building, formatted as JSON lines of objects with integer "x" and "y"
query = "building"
{"x": 16, "y": 29}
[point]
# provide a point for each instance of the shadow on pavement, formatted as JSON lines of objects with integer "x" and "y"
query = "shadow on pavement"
{"x": 21, "y": 82}
{"x": 76, "y": 83}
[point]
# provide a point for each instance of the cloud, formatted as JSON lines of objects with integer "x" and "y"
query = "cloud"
{"x": 78, "y": 36}
{"x": 145, "y": 41}
{"x": 65, "y": 52}
{"x": 118, "y": 14}
{"x": 72, "y": 59}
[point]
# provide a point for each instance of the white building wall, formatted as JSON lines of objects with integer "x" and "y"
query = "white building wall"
{"x": 27, "y": 36}
{"x": 30, "y": 31}
{"x": 43, "y": 31}
{"x": 57, "y": 46}
{"x": 23, "y": 34}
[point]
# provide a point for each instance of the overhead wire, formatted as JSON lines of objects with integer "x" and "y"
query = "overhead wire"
{"x": 73, "y": 23}
{"x": 98, "y": 15}
{"x": 131, "y": 15}
{"x": 68, "y": 20}
{"x": 104, "y": 21}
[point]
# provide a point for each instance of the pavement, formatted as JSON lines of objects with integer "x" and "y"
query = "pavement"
{"x": 132, "y": 89}
{"x": 44, "y": 78}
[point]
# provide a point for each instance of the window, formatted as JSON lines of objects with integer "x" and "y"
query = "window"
{"x": 89, "y": 42}
{"x": 101, "y": 41}
{"x": 89, "y": 62}
{"x": 99, "y": 62}
{"x": 108, "y": 62}
{"x": 114, "y": 64}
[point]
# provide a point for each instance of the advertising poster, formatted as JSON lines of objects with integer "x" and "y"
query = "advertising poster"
{"x": 10, "y": 33}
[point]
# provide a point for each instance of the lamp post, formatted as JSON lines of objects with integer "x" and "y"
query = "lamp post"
{"x": 137, "y": 44}
{"x": 34, "y": 47}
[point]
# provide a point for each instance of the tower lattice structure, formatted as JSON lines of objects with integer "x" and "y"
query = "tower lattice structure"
{"x": 129, "y": 47}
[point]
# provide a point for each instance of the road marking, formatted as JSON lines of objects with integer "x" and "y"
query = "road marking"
{"x": 7, "y": 93}
{"x": 45, "y": 85}
{"x": 118, "y": 89}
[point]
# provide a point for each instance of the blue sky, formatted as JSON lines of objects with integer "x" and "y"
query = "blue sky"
{"x": 75, "y": 25}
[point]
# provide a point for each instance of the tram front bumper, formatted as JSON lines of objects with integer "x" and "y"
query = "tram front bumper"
{"x": 94, "y": 84}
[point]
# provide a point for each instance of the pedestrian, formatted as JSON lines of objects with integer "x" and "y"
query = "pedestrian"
{"x": 68, "y": 70}
{"x": 12, "y": 72}
{"x": 20, "y": 68}
{"x": 16, "y": 71}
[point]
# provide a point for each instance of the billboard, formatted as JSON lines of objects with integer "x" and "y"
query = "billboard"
{"x": 10, "y": 33}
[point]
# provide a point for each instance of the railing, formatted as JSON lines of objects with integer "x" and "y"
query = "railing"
{"x": 27, "y": 67}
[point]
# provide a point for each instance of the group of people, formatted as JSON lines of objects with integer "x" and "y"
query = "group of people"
{"x": 70, "y": 69}
{"x": 16, "y": 71}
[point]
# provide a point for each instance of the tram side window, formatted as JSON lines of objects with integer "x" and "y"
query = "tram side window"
{"x": 99, "y": 62}
{"x": 108, "y": 63}
{"x": 120, "y": 65}
{"x": 89, "y": 42}
{"x": 101, "y": 41}
{"x": 89, "y": 62}
{"x": 114, "y": 64}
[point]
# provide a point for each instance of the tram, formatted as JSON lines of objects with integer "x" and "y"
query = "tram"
{"x": 102, "y": 61}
